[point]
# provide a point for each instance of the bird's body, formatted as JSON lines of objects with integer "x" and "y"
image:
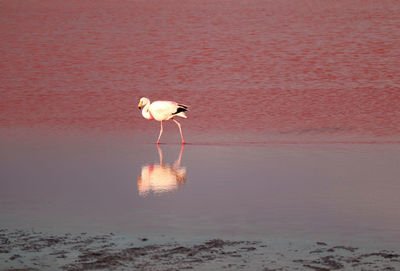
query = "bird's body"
{"x": 165, "y": 110}
{"x": 161, "y": 111}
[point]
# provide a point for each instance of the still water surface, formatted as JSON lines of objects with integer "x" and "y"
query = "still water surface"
{"x": 341, "y": 192}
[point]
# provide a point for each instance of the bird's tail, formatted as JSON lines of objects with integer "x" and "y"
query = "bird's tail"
{"x": 182, "y": 115}
{"x": 183, "y": 107}
{"x": 181, "y": 111}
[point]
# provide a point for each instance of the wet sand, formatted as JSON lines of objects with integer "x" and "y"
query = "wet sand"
{"x": 29, "y": 250}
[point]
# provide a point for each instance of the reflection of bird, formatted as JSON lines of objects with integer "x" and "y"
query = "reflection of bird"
{"x": 161, "y": 178}
{"x": 163, "y": 110}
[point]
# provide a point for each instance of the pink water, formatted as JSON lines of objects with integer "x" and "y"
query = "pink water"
{"x": 245, "y": 67}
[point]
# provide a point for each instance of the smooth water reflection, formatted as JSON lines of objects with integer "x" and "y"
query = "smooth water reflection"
{"x": 331, "y": 191}
{"x": 161, "y": 178}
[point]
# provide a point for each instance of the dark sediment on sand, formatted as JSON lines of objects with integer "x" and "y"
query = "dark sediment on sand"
{"x": 29, "y": 250}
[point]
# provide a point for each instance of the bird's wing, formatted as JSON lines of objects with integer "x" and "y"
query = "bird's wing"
{"x": 163, "y": 109}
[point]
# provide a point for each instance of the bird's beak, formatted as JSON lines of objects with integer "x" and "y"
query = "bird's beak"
{"x": 140, "y": 105}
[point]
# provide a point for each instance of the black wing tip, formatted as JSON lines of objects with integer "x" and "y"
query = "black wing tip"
{"x": 180, "y": 109}
{"x": 183, "y": 107}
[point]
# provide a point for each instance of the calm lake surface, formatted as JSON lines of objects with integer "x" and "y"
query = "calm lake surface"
{"x": 330, "y": 192}
{"x": 293, "y": 128}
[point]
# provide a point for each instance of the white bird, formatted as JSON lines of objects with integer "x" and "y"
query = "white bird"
{"x": 163, "y": 110}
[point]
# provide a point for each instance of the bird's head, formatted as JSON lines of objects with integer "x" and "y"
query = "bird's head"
{"x": 143, "y": 101}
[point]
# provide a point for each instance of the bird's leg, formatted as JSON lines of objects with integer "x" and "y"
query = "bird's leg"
{"x": 180, "y": 130}
{"x": 161, "y": 130}
{"x": 160, "y": 154}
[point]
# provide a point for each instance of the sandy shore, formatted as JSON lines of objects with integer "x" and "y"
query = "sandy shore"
{"x": 29, "y": 250}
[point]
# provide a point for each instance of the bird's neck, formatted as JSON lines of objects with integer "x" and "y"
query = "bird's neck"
{"x": 146, "y": 113}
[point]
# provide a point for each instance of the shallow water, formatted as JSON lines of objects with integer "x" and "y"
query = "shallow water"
{"x": 293, "y": 128}
{"x": 341, "y": 192}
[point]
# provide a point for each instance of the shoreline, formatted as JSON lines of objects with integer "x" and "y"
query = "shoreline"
{"x": 31, "y": 250}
